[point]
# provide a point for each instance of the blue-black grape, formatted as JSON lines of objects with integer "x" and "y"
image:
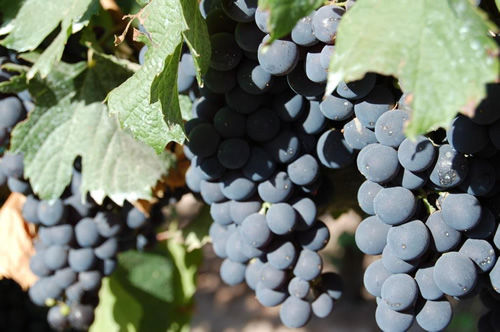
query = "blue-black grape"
{"x": 374, "y": 277}
{"x": 304, "y": 170}
{"x": 235, "y": 186}
{"x": 434, "y": 315}
{"x": 233, "y": 153}
{"x": 333, "y": 151}
{"x": 481, "y": 252}
{"x": 371, "y": 235}
{"x": 410, "y": 180}
{"x": 376, "y": 103}
{"x": 288, "y": 105}
{"x": 62, "y": 234}
{"x": 90, "y": 280}
{"x": 394, "y": 205}
{"x": 325, "y": 22}
{"x": 240, "y": 10}
{"x": 359, "y": 89}
{"x": 239, "y": 210}
{"x": 254, "y": 230}
{"x": 322, "y": 306}
{"x": 86, "y": 233}
{"x": 65, "y": 277}
{"x": 220, "y": 81}
{"x": 312, "y": 120}
{"x": 260, "y": 165}
{"x": 281, "y": 218}
{"x": 242, "y": 101}
{"x": 51, "y": 213}
{"x": 278, "y": 188}
{"x": 426, "y": 284}
{"x": 81, "y": 316}
{"x": 284, "y": 147}
{"x": 391, "y": 320}
{"x": 314, "y": 70}
{"x": 298, "y": 287}
{"x": 270, "y": 297}
{"x": 279, "y": 58}
{"x": 378, "y": 163}
{"x": 394, "y": 264}
{"x": 416, "y": 155}
{"x": 443, "y": 237}
{"x": 480, "y": 179}
{"x": 229, "y": 123}
{"x": 261, "y": 19}
{"x": 447, "y": 277}
{"x": 11, "y": 111}
{"x": 204, "y": 140}
{"x": 248, "y": 36}
{"x": 13, "y": 165}
{"x": 252, "y": 273}
{"x": 308, "y": 265}
{"x": 461, "y": 211}
{"x": 336, "y": 108}
{"x": 226, "y": 54}
{"x": 252, "y": 78}
{"x": 234, "y": 247}
{"x": 232, "y": 273}
{"x": 29, "y": 211}
{"x": 326, "y": 56}
{"x": 262, "y": 125}
{"x": 184, "y": 81}
{"x": 484, "y": 228}
{"x": 218, "y": 21}
{"x": 220, "y": 212}
{"x": 399, "y": 292}
{"x": 366, "y": 194}
{"x": 465, "y": 136}
{"x": 281, "y": 254}
{"x": 302, "y": 33}
{"x": 301, "y": 84}
{"x": 357, "y": 135}
{"x": 108, "y": 249}
{"x": 389, "y": 128}
{"x": 271, "y": 277}
{"x": 315, "y": 238}
{"x": 82, "y": 259}
{"x": 294, "y": 312}
{"x": 450, "y": 169}
{"x": 408, "y": 241}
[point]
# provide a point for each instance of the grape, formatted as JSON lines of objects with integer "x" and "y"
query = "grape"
{"x": 410, "y": 180}
{"x": 395, "y": 205}
{"x": 302, "y": 85}
{"x": 322, "y": 306}
{"x": 312, "y": 121}
{"x": 208, "y": 169}
{"x": 336, "y": 108}
{"x": 235, "y": 186}
{"x": 333, "y": 151}
{"x": 278, "y": 58}
{"x": 11, "y": 112}
{"x": 480, "y": 252}
{"x": 357, "y": 135}
{"x": 485, "y": 228}
{"x": 226, "y": 54}
{"x": 252, "y": 273}
{"x": 51, "y": 214}
{"x": 394, "y": 264}
{"x": 252, "y": 78}
{"x": 359, "y": 89}
{"x": 269, "y": 297}
{"x": 239, "y": 210}
{"x": 233, "y": 153}
{"x": 240, "y": 10}
{"x": 486, "y": 111}
{"x": 434, "y": 315}
{"x": 220, "y": 212}
{"x": 218, "y": 21}
{"x": 379, "y": 163}
{"x": 86, "y": 233}
{"x": 281, "y": 218}
{"x": 326, "y": 55}
{"x": 480, "y": 179}
{"x": 494, "y": 275}
{"x": 82, "y": 259}
{"x": 426, "y": 284}
{"x": 234, "y": 248}
{"x": 13, "y": 165}
{"x": 304, "y": 170}
{"x": 260, "y": 166}
{"x": 56, "y": 319}
{"x": 184, "y": 81}
{"x": 369, "y": 110}
{"x": 461, "y": 211}
{"x": 371, "y": 235}
{"x": 306, "y": 213}
{"x": 288, "y": 105}
{"x": 295, "y": 312}
{"x": 65, "y": 277}
{"x": 308, "y": 265}
{"x": 284, "y": 148}
{"x": 391, "y": 320}
{"x": 450, "y": 169}
{"x": 389, "y": 128}
{"x": 90, "y": 280}
{"x": 374, "y": 277}
{"x": 366, "y": 194}
{"x": 74, "y": 293}
{"x": 204, "y": 140}
{"x": 399, "y": 292}
{"x": 455, "y": 274}
{"x": 204, "y": 108}
{"x": 229, "y": 124}
{"x": 220, "y": 81}
{"x": 108, "y": 224}
{"x": 61, "y": 234}
{"x": 314, "y": 70}
{"x": 408, "y": 241}
{"x": 29, "y": 211}
{"x": 232, "y": 273}
{"x": 281, "y": 255}
{"x": 278, "y": 188}
{"x": 262, "y": 125}
{"x": 108, "y": 249}
{"x": 37, "y": 265}
{"x": 315, "y": 238}
{"x": 443, "y": 237}
{"x": 254, "y": 230}
{"x": 416, "y": 155}
{"x": 299, "y": 288}
{"x": 332, "y": 284}
{"x": 188, "y": 126}
{"x": 302, "y": 33}
{"x": 262, "y": 19}
{"x": 81, "y": 316}
{"x": 248, "y": 36}
{"x": 194, "y": 178}
{"x": 466, "y": 136}
{"x": 18, "y": 186}
{"x": 135, "y": 218}
{"x": 325, "y": 22}
{"x": 55, "y": 257}
{"x": 272, "y": 278}
{"x": 242, "y": 101}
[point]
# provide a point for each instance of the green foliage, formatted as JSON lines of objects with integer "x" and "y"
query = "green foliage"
{"x": 69, "y": 121}
{"x": 44, "y": 17}
{"x": 283, "y": 14}
{"x": 147, "y": 103}
{"x": 439, "y": 50}
{"x": 150, "y": 291}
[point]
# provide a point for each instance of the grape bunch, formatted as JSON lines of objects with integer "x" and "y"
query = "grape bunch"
{"x": 77, "y": 246}
{"x": 258, "y": 144}
{"x": 17, "y": 312}
{"x": 433, "y": 210}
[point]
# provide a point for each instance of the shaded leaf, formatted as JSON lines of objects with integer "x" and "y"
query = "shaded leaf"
{"x": 439, "y": 50}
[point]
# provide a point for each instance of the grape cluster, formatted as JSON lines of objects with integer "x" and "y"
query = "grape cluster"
{"x": 258, "y": 142}
{"x": 78, "y": 246}
{"x": 433, "y": 206}
{"x": 17, "y": 312}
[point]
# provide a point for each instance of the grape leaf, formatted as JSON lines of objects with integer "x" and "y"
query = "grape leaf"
{"x": 439, "y": 50}
{"x": 147, "y": 103}
{"x": 284, "y": 14}
{"x": 30, "y": 28}
{"x": 9, "y": 12}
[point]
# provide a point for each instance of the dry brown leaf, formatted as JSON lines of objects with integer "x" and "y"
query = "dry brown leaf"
{"x": 16, "y": 242}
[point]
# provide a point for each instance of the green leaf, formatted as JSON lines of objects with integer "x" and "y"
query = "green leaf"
{"x": 114, "y": 164}
{"x": 9, "y": 12}
{"x": 185, "y": 105}
{"x": 117, "y": 309}
{"x": 439, "y": 50}
{"x": 15, "y": 84}
{"x": 37, "y": 19}
{"x": 196, "y": 37}
{"x": 284, "y": 14}
{"x": 132, "y": 100}
{"x": 497, "y": 2}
